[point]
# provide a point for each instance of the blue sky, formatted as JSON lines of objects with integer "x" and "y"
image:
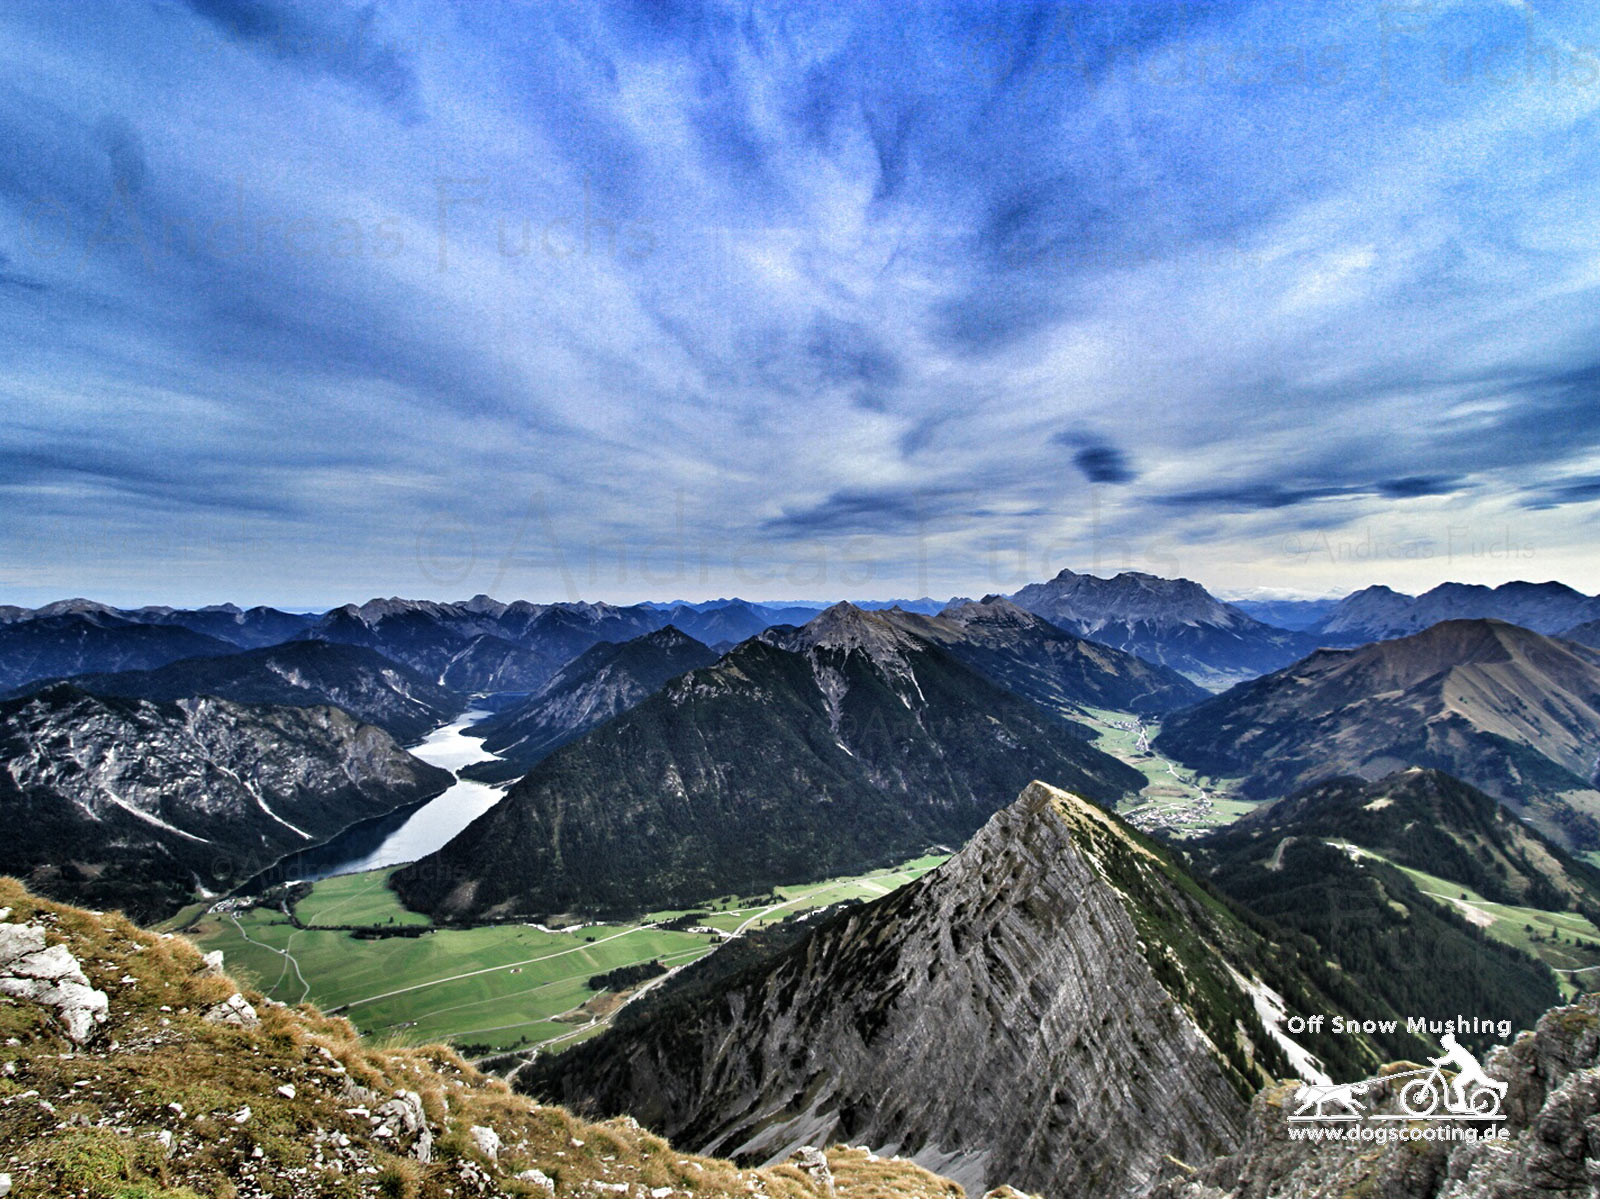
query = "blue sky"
{"x": 306, "y": 302}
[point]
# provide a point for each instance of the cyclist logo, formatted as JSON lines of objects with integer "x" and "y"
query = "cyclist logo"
{"x": 1425, "y": 1095}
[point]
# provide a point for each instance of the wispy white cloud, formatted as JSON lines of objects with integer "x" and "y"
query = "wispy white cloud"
{"x": 407, "y": 298}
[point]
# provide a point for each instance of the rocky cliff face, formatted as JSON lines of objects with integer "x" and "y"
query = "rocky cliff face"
{"x": 134, "y": 803}
{"x": 1058, "y": 1006}
{"x": 1552, "y": 1105}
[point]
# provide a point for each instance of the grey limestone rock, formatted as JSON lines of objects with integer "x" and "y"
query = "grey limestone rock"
{"x": 50, "y": 976}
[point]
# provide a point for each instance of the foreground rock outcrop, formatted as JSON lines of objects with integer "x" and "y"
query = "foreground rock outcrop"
{"x": 1552, "y": 1106}
{"x": 49, "y": 976}
{"x": 1058, "y": 1007}
{"x": 163, "y": 1076}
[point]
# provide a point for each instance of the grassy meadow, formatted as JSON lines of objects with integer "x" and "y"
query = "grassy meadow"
{"x": 492, "y": 987}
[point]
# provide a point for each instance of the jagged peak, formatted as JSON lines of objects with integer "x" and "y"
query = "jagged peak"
{"x": 993, "y": 609}
{"x": 1040, "y": 800}
{"x": 668, "y": 637}
{"x": 846, "y": 627}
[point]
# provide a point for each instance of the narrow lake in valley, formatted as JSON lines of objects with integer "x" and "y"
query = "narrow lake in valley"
{"x": 409, "y": 833}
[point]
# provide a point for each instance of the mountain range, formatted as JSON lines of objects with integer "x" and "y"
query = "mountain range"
{"x": 247, "y": 627}
{"x": 1511, "y": 711}
{"x": 1379, "y": 613}
{"x": 729, "y": 622}
{"x": 365, "y": 684}
{"x": 137, "y": 804}
{"x": 71, "y": 643}
{"x": 1011, "y": 647}
{"x": 483, "y": 645}
{"x": 842, "y": 745}
{"x": 1173, "y": 622}
{"x": 1296, "y": 615}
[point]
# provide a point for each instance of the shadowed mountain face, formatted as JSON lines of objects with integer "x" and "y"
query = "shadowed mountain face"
{"x": 1173, "y": 622}
{"x": 1435, "y": 823}
{"x": 1013, "y": 648}
{"x": 1296, "y": 615}
{"x": 451, "y": 644}
{"x": 250, "y": 628}
{"x": 1508, "y": 710}
{"x": 245, "y": 627}
{"x": 1053, "y": 668}
{"x": 733, "y": 621}
{"x": 853, "y": 745}
{"x": 600, "y": 683}
{"x": 1378, "y": 613}
{"x": 75, "y": 642}
{"x": 1060, "y": 1005}
{"x": 134, "y": 804}
{"x": 360, "y": 681}
{"x": 1587, "y": 634}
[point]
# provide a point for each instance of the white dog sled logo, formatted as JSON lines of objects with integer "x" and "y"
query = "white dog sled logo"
{"x": 1315, "y": 1095}
{"x": 1471, "y": 1096}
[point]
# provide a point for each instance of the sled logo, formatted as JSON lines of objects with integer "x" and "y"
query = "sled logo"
{"x": 1471, "y": 1096}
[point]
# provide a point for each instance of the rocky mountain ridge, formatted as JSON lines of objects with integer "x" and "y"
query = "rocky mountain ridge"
{"x": 605, "y": 680}
{"x": 301, "y": 673}
{"x": 63, "y": 643}
{"x": 1055, "y": 669}
{"x": 1058, "y": 1005}
{"x": 1380, "y": 613}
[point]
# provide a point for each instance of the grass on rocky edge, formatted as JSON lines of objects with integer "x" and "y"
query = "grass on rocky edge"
{"x": 162, "y": 1102}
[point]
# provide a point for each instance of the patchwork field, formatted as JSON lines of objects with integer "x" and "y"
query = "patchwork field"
{"x": 489, "y": 988}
